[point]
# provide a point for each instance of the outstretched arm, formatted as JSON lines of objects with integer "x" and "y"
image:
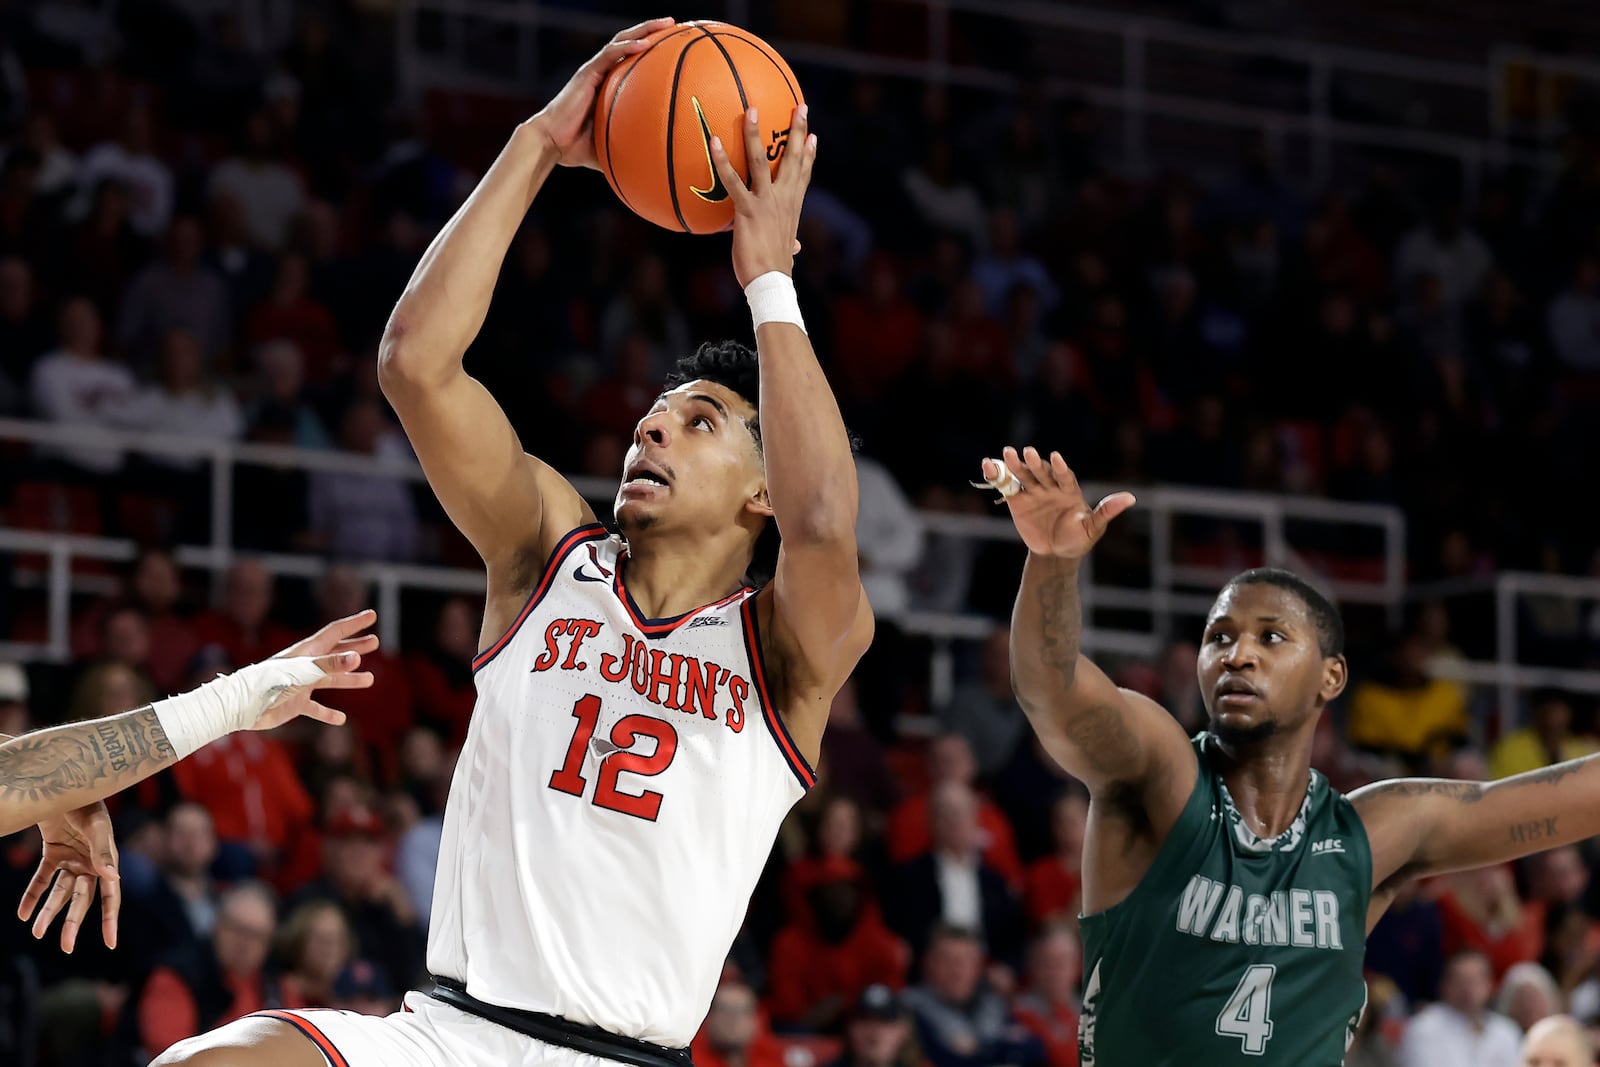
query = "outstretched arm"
{"x": 820, "y": 620}
{"x": 1423, "y": 826}
{"x": 1106, "y": 736}
{"x": 511, "y": 506}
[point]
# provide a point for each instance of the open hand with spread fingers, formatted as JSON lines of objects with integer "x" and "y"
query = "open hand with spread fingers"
{"x": 766, "y": 213}
{"x": 330, "y": 648}
{"x": 1048, "y": 505}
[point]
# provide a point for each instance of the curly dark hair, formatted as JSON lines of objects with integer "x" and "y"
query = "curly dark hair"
{"x": 729, "y": 364}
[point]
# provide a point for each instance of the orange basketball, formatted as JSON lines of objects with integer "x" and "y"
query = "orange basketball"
{"x": 658, "y": 110}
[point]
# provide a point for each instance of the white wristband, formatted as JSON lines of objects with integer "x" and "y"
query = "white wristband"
{"x": 772, "y": 299}
{"x": 230, "y": 702}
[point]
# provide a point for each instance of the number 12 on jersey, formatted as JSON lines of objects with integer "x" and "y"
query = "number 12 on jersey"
{"x": 1248, "y": 1013}
{"x": 627, "y": 731}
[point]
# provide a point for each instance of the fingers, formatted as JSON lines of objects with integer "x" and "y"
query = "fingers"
{"x": 336, "y": 663}
{"x": 801, "y": 154}
{"x": 362, "y": 645}
{"x": 350, "y": 624}
{"x": 36, "y": 889}
{"x": 324, "y": 714}
{"x": 1039, "y": 467}
{"x": 81, "y": 897}
{"x": 643, "y": 29}
{"x": 347, "y": 680}
{"x": 1112, "y": 506}
{"x": 631, "y": 40}
{"x": 110, "y": 909}
{"x": 1015, "y": 464}
{"x": 730, "y": 176}
{"x": 59, "y": 895}
{"x": 755, "y": 153}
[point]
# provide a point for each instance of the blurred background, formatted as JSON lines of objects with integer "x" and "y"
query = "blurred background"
{"x": 1320, "y": 280}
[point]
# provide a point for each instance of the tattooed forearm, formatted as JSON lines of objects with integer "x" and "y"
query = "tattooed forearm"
{"x": 1466, "y": 792}
{"x": 56, "y": 770}
{"x": 1046, "y": 625}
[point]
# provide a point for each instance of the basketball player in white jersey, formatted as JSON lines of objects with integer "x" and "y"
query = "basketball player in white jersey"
{"x": 645, "y": 718}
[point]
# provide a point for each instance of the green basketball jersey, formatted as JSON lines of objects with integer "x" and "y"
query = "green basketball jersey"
{"x": 1233, "y": 949}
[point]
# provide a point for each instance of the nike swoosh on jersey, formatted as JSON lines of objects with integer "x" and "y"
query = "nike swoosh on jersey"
{"x": 584, "y": 576}
{"x": 718, "y": 192}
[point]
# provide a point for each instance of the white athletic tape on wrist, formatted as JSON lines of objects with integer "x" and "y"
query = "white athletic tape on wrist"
{"x": 1005, "y": 483}
{"x": 772, "y": 299}
{"x": 231, "y": 702}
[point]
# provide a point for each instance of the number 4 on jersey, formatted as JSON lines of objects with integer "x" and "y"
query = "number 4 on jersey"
{"x": 1248, "y": 1013}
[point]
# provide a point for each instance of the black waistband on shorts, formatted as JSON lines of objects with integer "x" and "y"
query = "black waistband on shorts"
{"x": 555, "y": 1030}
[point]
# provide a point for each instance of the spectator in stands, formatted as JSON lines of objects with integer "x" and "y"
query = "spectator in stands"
{"x": 131, "y": 161}
{"x": 1461, "y": 1029}
{"x": 952, "y": 884}
{"x": 1557, "y": 1041}
{"x": 361, "y": 516}
{"x": 1481, "y": 912}
{"x": 1405, "y": 713}
{"x": 858, "y": 765}
{"x": 14, "y": 717}
{"x": 210, "y": 983}
{"x": 76, "y": 385}
{"x": 646, "y": 309}
{"x": 1446, "y": 249}
{"x": 961, "y": 1020}
{"x": 270, "y": 192}
{"x": 243, "y": 625}
{"x": 108, "y": 688}
{"x": 181, "y": 906}
{"x": 291, "y": 313}
{"x": 876, "y": 336}
{"x": 833, "y": 948}
{"x": 248, "y": 782}
{"x": 1007, "y": 265}
{"x": 103, "y": 248}
{"x": 1406, "y": 947}
{"x": 908, "y": 833}
{"x": 985, "y": 710}
{"x": 441, "y": 676}
{"x": 380, "y": 913}
{"x": 24, "y": 333}
{"x": 283, "y": 396}
{"x": 416, "y": 818}
{"x": 879, "y": 1032}
{"x": 315, "y": 946}
{"x": 154, "y": 589}
{"x": 1049, "y": 1003}
{"x": 1527, "y": 995}
{"x": 177, "y": 292}
{"x": 1054, "y": 881}
{"x": 364, "y": 988}
{"x": 890, "y": 534}
{"x": 1547, "y": 739}
{"x": 944, "y": 201}
{"x": 1574, "y": 320}
{"x": 734, "y": 1033}
{"x": 230, "y": 251}
{"x": 612, "y": 404}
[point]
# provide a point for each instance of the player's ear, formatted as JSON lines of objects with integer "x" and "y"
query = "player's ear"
{"x": 1335, "y": 674}
{"x": 759, "y": 503}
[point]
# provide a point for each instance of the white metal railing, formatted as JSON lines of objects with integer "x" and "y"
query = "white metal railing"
{"x": 1170, "y": 594}
{"x": 1506, "y": 674}
{"x": 1133, "y": 94}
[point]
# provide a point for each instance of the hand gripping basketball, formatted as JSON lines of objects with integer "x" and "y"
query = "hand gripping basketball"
{"x": 1047, "y": 504}
{"x": 568, "y": 119}
{"x": 766, "y": 215}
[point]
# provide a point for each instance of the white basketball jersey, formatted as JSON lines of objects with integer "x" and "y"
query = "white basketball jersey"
{"x": 621, "y": 785}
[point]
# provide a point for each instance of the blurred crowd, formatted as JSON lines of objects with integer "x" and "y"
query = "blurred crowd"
{"x": 201, "y": 235}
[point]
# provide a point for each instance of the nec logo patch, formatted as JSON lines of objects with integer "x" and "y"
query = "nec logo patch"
{"x": 706, "y": 620}
{"x": 1327, "y": 846}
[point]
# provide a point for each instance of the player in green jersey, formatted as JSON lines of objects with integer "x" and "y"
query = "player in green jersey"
{"x": 1227, "y": 889}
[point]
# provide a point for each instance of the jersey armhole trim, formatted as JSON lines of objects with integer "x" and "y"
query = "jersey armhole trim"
{"x": 589, "y": 532}
{"x": 329, "y": 1050}
{"x": 775, "y": 725}
{"x": 1199, "y": 798}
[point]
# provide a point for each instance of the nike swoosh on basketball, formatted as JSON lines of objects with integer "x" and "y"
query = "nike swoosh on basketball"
{"x": 718, "y": 192}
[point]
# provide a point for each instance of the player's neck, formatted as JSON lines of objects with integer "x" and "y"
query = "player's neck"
{"x": 1267, "y": 781}
{"x": 668, "y": 575}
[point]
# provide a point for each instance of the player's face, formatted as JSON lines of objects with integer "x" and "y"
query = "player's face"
{"x": 693, "y": 463}
{"x": 1261, "y": 665}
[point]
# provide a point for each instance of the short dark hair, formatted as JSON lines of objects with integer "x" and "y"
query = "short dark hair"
{"x": 729, "y": 364}
{"x": 1330, "y": 627}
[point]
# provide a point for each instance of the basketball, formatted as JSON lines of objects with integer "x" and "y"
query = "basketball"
{"x": 658, "y": 110}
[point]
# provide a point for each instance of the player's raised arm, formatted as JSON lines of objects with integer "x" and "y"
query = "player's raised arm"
{"x": 820, "y": 616}
{"x": 1105, "y": 736}
{"x": 508, "y": 504}
{"x": 1423, "y": 826}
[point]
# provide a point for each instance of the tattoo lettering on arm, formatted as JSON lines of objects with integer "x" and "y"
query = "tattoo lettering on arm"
{"x": 1466, "y": 792}
{"x": 101, "y": 756}
{"x": 1524, "y": 833}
